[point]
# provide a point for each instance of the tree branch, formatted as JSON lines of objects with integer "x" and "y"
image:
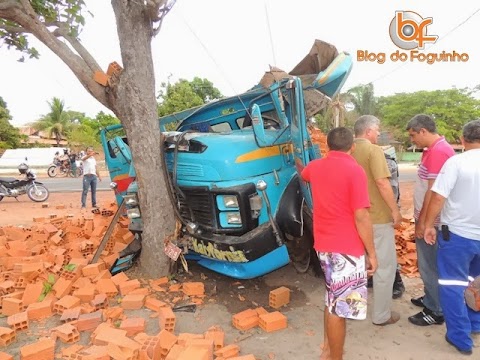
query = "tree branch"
{"x": 62, "y": 31}
{"x": 13, "y": 29}
{"x": 81, "y": 67}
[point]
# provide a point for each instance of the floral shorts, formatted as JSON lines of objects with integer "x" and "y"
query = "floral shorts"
{"x": 346, "y": 282}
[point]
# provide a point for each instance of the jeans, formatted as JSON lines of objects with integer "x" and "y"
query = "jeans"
{"x": 89, "y": 181}
{"x": 427, "y": 266}
{"x": 458, "y": 258}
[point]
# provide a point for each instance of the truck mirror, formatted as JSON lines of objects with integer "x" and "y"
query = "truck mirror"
{"x": 258, "y": 127}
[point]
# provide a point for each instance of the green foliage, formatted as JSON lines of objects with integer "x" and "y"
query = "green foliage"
{"x": 47, "y": 287}
{"x": 362, "y": 98}
{"x": 451, "y": 109}
{"x": 70, "y": 267}
{"x": 67, "y": 15}
{"x": 185, "y": 94}
{"x": 10, "y": 137}
{"x": 87, "y": 131}
{"x": 58, "y": 122}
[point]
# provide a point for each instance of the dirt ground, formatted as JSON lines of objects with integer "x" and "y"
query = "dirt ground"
{"x": 226, "y": 296}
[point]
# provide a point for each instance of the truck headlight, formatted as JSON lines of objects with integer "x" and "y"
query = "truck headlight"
{"x": 234, "y": 218}
{"x": 133, "y": 213}
{"x": 230, "y": 201}
{"x": 131, "y": 200}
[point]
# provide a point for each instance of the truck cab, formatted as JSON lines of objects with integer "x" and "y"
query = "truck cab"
{"x": 233, "y": 167}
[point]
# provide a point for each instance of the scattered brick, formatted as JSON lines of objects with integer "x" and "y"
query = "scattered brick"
{"x": 166, "y": 319}
{"x": 228, "y": 351}
{"x": 279, "y": 297}
{"x": 133, "y": 326}
{"x": 67, "y": 333}
{"x": 7, "y": 336}
{"x": 18, "y": 321}
{"x": 273, "y": 321}
{"x": 43, "y": 349}
{"x": 193, "y": 288}
{"x": 133, "y": 302}
{"x": 245, "y": 320}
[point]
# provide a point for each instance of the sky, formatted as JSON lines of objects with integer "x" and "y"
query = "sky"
{"x": 232, "y": 43}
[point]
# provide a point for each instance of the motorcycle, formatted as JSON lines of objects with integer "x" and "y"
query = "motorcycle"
{"x": 63, "y": 168}
{"x": 12, "y": 187}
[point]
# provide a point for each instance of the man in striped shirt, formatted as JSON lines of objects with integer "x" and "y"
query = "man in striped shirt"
{"x": 423, "y": 133}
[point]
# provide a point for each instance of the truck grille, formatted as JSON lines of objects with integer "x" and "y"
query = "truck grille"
{"x": 200, "y": 202}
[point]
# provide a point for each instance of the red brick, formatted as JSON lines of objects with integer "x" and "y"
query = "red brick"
{"x": 133, "y": 302}
{"x": 88, "y": 322}
{"x": 66, "y": 302}
{"x": 93, "y": 269}
{"x": 174, "y": 352}
{"x": 273, "y": 321}
{"x": 154, "y": 304}
{"x": 41, "y": 310}
{"x": 18, "y": 321}
{"x": 245, "y": 320}
{"x": 194, "y": 352}
{"x": 5, "y": 356}
{"x": 104, "y": 333}
{"x": 67, "y": 333}
{"x": 183, "y": 338}
{"x": 100, "y": 301}
{"x": 7, "y": 336}
{"x": 113, "y": 313}
{"x": 62, "y": 287}
{"x": 217, "y": 336}
{"x": 71, "y": 314}
{"x": 228, "y": 351}
{"x": 193, "y": 288}
{"x": 42, "y": 349}
{"x": 279, "y": 297}
{"x": 133, "y": 326}
{"x": 202, "y": 343}
{"x": 243, "y": 357}
{"x": 166, "y": 340}
{"x": 11, "y": 306}
{"x": 31, "y": 293}
{"x": 166, "y": 319}
{"x": 127, "y": 286}
{"x": 107, "y": 287}
{"x": 120, "y": 278}
{"x": 85, "y": 294}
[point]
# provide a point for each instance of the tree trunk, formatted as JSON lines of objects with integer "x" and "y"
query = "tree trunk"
{"x": 133, "y": 101}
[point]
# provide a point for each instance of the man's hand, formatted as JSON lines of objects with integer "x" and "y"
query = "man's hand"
{"x": 397, "y": 217}
{"x": 419, "y": 229}
{"x": 371, "y": 264}
{"x": 430, "y": 235}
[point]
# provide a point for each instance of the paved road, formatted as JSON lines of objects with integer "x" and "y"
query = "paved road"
{"x": 407, "y": 172}
{"x": 72, "y": 184}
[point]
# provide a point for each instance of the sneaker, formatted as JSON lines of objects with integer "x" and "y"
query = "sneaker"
{"x": 464, "y": 352}
{"x": 398, "y": 290}
{"x": 425, "y": 318}
{"x": 417, "y": 301}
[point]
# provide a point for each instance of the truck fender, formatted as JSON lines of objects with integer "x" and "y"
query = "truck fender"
{"x": 289, "y": 215}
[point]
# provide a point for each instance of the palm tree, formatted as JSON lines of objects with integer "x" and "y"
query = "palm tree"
{"x": 362, "y": 97}
{"x": 57, "y": 122}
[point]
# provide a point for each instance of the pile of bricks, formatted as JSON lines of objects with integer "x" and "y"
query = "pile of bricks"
{"x": 318, "y": 138}
{"x": 406, "y": 248}
{"x": 267, "y": 321}
{"x": 45, "y": 274}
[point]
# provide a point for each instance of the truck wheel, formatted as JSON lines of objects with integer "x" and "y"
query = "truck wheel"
{"x": 302, "y": 253}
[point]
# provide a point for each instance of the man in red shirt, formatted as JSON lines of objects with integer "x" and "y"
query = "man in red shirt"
{"x": 342, "y": 233}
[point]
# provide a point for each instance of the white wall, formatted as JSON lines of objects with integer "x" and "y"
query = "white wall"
{"x": 36, "y": 156}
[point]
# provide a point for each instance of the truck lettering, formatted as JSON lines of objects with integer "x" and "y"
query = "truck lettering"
{"x": 211, "y": 251}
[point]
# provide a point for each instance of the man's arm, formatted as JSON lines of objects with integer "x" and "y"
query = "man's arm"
{"x": 365, "y": 231}
{"x": 386, "y": 191}
{"x": 435, "y": 205}
{"x": 420, "y": 225}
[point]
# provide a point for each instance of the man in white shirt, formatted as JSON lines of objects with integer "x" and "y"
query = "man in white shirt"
{"x": 90, "y": 176}
{"x": 456, "y": 193}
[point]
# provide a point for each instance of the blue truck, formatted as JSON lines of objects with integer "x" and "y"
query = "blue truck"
{"x": 233, "y": 170}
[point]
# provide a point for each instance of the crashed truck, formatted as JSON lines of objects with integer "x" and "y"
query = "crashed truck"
{"x": 233, "y": 170}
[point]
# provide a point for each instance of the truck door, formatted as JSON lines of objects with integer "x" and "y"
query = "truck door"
{"x": 118, "y": 159}
{"x": 302, "y": 145}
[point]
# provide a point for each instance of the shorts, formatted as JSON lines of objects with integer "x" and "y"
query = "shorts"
{"x": 346, "y": 282}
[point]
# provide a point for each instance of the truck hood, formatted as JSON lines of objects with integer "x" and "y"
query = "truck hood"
{"x": 225, "y": 157}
